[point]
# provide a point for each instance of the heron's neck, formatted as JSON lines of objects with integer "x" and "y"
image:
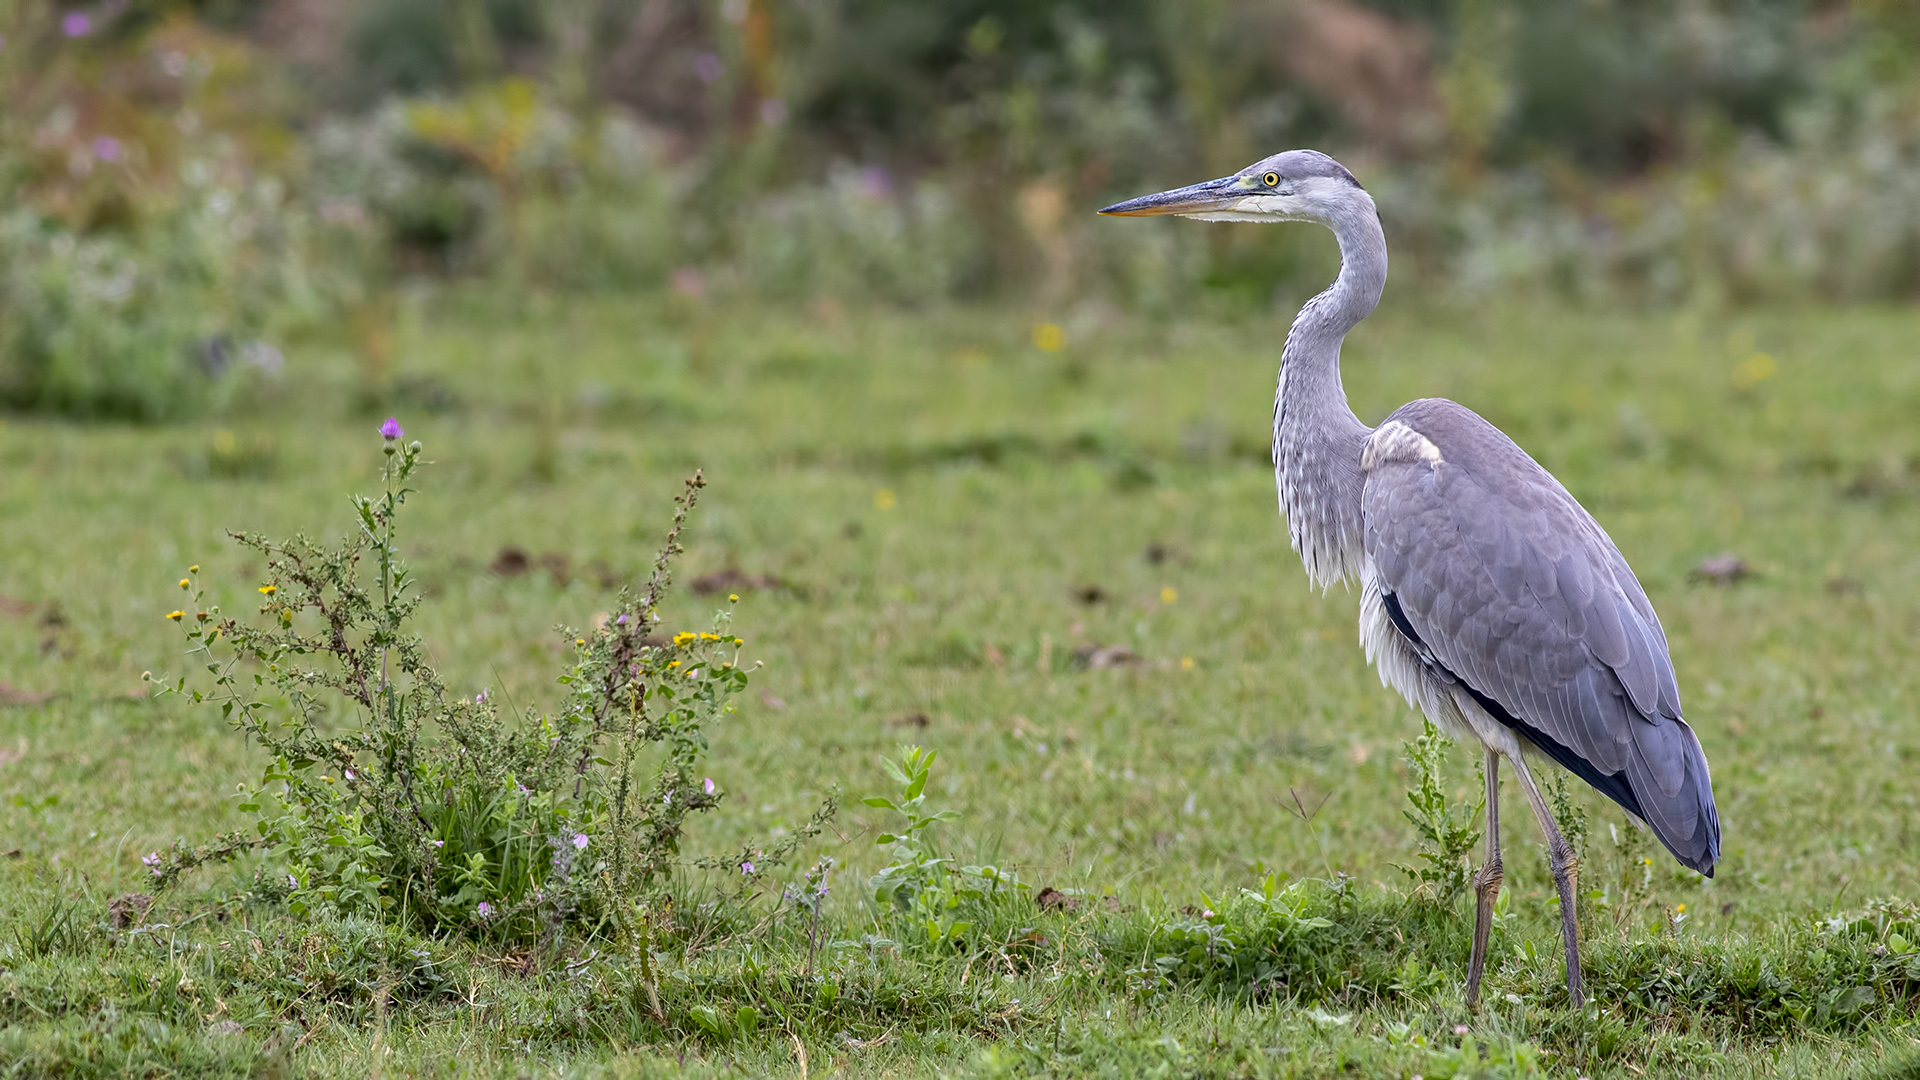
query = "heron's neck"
{"x": 1316, "y": 437}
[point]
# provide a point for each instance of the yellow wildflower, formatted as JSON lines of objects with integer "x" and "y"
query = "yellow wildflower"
{"x": 1169, "y": 594}
{"x": 683, "y": 638}
{"x": 673, "y": 665}
{"x": 704, "y": 636}
{"x": 269, "y": 590}
{"x": 579, "y": 641}
{"x": 733, "y": 598}
{"x": 1186, "y": 663}
{"x": 884, "y": 499}
{"x": 184, "y": 582}
{"x": 1682, "y": 908}
{"x": 194, "y": 569}
{"x": 176, "y": 616}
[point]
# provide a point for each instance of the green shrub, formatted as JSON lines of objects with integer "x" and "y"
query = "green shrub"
{"x": 432, "y": 809}
{"x": 151, "y": 323}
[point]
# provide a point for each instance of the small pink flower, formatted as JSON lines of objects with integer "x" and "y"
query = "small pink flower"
{"x": 76, "y": 24}
{"x": 580, "y": 841}
{"x": 439, "y": 843}
{"x": 391, "y": 429}
{"x": 106, "y": 148}
{"x": 349, "y": 774}
{"x": 153, "y": 862}
{"x": 707, "y": 785}
{"x": 485, "y": 909}
{"x": 292, "y": 884}
{"x": 746, "y": 868}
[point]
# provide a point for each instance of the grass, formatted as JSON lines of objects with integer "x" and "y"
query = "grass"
{"x": 934, "y": 524}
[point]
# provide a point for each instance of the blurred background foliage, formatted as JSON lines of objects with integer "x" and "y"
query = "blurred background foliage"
{"x": 188, "y": 188}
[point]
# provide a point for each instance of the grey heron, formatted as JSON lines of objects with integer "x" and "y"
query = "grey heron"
{"x": 1489, "y": 597}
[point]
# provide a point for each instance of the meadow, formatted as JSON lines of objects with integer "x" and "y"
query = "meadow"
{"x": 1046, "y": 546}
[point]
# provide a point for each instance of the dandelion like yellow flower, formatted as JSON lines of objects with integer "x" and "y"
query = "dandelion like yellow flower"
{"x": 176, "y": 616}
{"x": 683, "y": 638}
{"x": 269, "y": 590}
{"x": 1049, "y": 337}
{"x": 709, "y": 637}
{"x": 579, "y": 641}
{"x": 184, "y": 582}
{"x": 673, "y": 665}
{"x": 733, "y": 598}
{"x": 1680, "y": 908}
{"x": 884, "y": 499}
{"x": 194, "y": 569}
{"x": 1186, "y": 663}
{"x": 1169, "y": 594}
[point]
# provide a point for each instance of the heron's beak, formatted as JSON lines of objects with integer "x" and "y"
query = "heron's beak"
{"x": 1219, "y": 194}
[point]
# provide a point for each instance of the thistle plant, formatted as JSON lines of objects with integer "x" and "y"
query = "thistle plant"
{"x": 389, "y": 793}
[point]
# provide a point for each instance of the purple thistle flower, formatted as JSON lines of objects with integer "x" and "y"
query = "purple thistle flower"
{"x": 707, "y": 784}
{"x": 580, "y": 841}
{"x": 76, "y": 24}
{"x": 391, "y": 429}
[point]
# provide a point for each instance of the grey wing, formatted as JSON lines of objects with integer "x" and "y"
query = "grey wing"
{"x": 1493, "y": 569}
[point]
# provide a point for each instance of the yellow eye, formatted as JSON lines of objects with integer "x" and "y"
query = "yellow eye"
{"x": 1271, "y": 179}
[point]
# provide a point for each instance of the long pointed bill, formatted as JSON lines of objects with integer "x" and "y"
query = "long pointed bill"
{"x": 1219, "y": 194}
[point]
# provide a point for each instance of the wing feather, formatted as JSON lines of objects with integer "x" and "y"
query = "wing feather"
{"x": 1518, "y": 592}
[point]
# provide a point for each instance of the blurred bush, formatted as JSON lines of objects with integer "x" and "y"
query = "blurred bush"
{"x": 183, "y": 181}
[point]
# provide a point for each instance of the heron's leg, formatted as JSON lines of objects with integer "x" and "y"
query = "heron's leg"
{"x": 1486, "y": 883}
{"x": 1560, "y": 856}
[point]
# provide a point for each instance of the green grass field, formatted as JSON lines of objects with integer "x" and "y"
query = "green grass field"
{"x": 956, "y": 518}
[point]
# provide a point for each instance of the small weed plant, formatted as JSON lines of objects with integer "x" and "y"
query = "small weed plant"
{"x": 389, "y": 794}
{"x": 1448, "y": 832}
{"x": 1259, "y": 937}
{"x": 934, "y": 899}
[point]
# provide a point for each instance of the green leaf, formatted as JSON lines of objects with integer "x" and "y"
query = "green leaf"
{"x": 709, "y": 1020}
{"x": 747, "y": 1019}
{"x": 880, "y": 801}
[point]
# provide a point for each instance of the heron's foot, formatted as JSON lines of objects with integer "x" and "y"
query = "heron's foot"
{"x": 1486, "y": 889}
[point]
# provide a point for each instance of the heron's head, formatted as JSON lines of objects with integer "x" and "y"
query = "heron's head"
{"x": 1298, "y": 185}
